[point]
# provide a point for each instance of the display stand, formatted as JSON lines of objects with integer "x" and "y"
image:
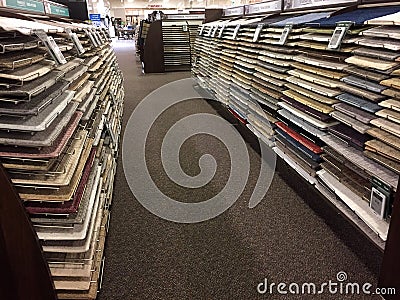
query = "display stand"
{"x": 169, "y": 42}
{"x": 24, "y": 271}
{"x": 153, "y": 54}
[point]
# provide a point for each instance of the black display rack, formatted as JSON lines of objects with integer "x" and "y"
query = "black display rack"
{"x": 169, "y": 43}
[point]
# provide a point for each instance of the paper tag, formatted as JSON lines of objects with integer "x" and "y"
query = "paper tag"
{"x": 338, "y": 35}
{"x": 184, "y": 28}
{"x": 236, "y": 32}
{"x": 51, "y": 46}
{"x": 221, "y": 31}
{"x": 214, "y": 31}
{"x": 77, "y": 43}
{"x": 285, "y": 34}
{"x": 91, "y": 37}
{"x": 257, "y": 33}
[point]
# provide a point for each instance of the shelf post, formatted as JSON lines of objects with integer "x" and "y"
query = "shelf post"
{"x": 390, "y": 269}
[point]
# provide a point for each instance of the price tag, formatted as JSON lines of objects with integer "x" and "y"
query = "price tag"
{"x": 236, "y": 32}
{"x": 338, "y": 35}
{"x": 378, "y": 202}
{"x": 201, "y": 29}
{"x": 285, "y": 34}
{"x": 51, "y": 46}
{"x": 214, "y": 31}
{"x": 221, "y": 31}
{"x": 77, "y": 43}
{"x": 257, "y": 33}
{"x": 184, "y": 28}
{"x": 380, "y": 197}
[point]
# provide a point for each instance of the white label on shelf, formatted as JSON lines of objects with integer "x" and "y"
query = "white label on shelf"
{"x": 221, "y": 31}
{"x": 185, "y": 17}
{"x": 236, "y": 32}
{"x": 209, "y": 31}
{"x": 337, "y": 37}
{"x": 235, "y": 11}
{"x": 97, "y": 37}
{"x": 263, "y": 7}
{"x": 285, "y": 34}
{"x": 51, "y": 46}
{"x": 257, "y": 32}
{"x": 91, "y": 37}
{"x": 289, "y": 4}
{"x": 201, "y": 29}
{"x": 378, "y": 202}
{"x": 77, "y": 43}
{"x": 104, "y": 33}
{"x": 214, "y": 31}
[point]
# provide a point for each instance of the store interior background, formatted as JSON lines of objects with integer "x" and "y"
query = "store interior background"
{"x": 294, "y": 233}
{"x": 132, "y": 11}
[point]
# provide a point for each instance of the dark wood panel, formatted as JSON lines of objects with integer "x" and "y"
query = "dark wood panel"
{"x": 153, "y": 55}
{"x": 390, "y": 270}
{"x": 25, "y": 274}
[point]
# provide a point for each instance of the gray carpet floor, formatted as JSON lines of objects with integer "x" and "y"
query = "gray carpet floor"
{"x": 291, "y": 236}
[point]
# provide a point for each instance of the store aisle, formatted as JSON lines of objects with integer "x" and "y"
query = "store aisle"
{"x": 282, "y": 239}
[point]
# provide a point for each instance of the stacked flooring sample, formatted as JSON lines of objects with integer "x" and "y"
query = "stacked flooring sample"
{"x": 59, "y": 135}
{"x": 333, "y": 115}
{"x": 177, "y": 37}
{"x": 168, "y": 45}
